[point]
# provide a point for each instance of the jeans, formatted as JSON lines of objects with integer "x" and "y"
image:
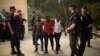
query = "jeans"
{"x": 37, "y": 36}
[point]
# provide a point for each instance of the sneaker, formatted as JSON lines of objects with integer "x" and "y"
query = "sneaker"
{"x": 41, "y": 49}
{"x": 89, "y": 46}
{"x": 45, "y": 52}
{"x": 35, "y": 51}
{"x": 20, "y": 54}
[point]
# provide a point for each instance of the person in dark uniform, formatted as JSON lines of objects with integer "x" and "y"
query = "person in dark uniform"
{"x": 86, "y": 22}
{"x": 21, "y": 23}
{"x": 7, "y": 30}
{"x": 15, "y": 37}
{"x": 72, "y": 29}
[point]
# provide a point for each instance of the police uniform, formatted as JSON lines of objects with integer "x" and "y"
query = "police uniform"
{"x": 85, "y": 21}
{"x": 15, "y": 39}
{"x": 73, "y": 33}
{"x": 22, "y": 28}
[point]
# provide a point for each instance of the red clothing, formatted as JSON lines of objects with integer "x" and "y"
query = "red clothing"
{"x": 48, "y": 26}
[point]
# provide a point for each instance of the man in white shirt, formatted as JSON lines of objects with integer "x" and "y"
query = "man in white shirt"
{"x": 58, "y": 26}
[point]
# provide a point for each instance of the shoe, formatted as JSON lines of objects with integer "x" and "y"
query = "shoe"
{"x": 41, "y": 49}
{"x": 35, "y": 51}
{"x": 89, "y": 46}
{"x": 45, "y": 52}
{"x": 14, "y": 52}
{"x": 20, "y": 54}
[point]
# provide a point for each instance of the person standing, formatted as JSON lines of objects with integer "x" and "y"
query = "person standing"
{"x": 72, "y": 29}
{"x": 15, "y": 37}
{"x": 48, "y": 32}
{"x": 33, "y": 18}
{"x": 86, "y": 23}
{"x": 38, "y": 33}
{"x": 58, "y": 27}
{"x": 21, "y": 24}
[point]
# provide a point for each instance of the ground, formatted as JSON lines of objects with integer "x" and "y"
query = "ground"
{"x": 28, "y": 49}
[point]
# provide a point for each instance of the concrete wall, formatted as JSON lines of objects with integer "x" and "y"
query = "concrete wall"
{"x": 19, "y": 4}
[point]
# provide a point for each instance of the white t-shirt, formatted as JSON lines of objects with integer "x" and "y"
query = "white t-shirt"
{"x": 57, "y": 26}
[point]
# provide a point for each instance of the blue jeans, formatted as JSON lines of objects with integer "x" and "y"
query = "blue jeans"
{"x": 37, "y": 36}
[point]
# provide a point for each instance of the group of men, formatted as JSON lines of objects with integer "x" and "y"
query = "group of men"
{"x": 12, "y": 28}
{"x": 79, "y": 26}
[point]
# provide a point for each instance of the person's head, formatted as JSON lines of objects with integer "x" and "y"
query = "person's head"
{"x": 47, "y": 17}
{"x": 57, "y": 17}
{"x": 12, "y": 9}
{"x": 72, "y": 8}
{"x": 39, "y": 20}
{"x": 3, "y": 9}
{"x": 19, "y": 12}
{"x": 84, "y": 9}
{"x": 33, "y": 13}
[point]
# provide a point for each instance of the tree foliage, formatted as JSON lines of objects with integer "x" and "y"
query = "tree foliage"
{"x": 53, "y": 7}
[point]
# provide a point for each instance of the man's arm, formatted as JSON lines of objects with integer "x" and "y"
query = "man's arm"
{"x": 63, "y": 24}
{"x": 91, "y": 22}
{"x": 11, "y": 30}
{"x": 73, "y": 25}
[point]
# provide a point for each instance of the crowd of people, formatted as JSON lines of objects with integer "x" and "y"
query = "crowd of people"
{"x": 78, "y": 26}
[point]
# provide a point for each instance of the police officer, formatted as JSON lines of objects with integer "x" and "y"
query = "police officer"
{"x": 15, "y": 41}
{"x": 86, "y": 22}
{"x": 21, "y": 24}
{"x": 72, "y": 29}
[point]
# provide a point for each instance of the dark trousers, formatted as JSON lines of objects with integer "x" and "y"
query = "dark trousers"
{"x": 83, "y": 39}
{"x": 22, "y": 32}
{"x": 73, "y": 43}
{"x": 57, "y": 39}
{"x": 33, "y": 35}
{"x": 2, "y": 35}
{"x": 89, "y": 39}
{"x": 50, "y": 36}
{"x": 15, "y": 42}
{"x": 7, "y": 34}
{"x": 37, "y": 36}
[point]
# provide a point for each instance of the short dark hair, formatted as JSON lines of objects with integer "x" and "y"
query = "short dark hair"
{"x": 33, "y": 12}
{"x": 18, "y": 10}
{"x": 47, "y": 17}
{"x": 84, "y": 7}
{"x": 12, "y": 7}
{"x": 73, "y": 6}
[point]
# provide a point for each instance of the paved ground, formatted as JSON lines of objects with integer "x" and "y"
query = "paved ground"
{"x": 28, "y": 49}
